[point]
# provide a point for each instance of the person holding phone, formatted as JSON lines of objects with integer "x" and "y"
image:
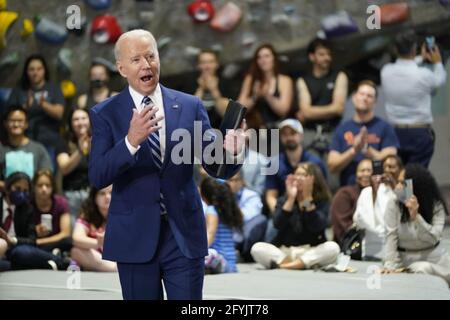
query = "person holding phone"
{"x": 408, "y": 88}
{"x": 414, "y": 225}
{"x": 51, "y": 215}
{"x": 370, "y": 211}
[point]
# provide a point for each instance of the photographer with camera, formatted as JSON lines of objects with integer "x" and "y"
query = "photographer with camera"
{"x": 408, "y": 88}
{"x": 414, "y": 223}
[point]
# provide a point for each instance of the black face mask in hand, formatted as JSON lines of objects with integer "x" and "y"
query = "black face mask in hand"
{"x": 98, "y": 83}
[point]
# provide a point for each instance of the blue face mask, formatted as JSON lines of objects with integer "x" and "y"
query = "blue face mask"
{"x": 18, "y": 197}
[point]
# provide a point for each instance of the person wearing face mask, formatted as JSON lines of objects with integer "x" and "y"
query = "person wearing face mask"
{"x": 344, "y": 201}
{"x": 89, "y": 232}
{"x": 73, "y": 161}
{"x": 17, "y": 228}
{"x": 98, "y": 87}
{"x": 415, "y": 224}
{"x": 301, "y": 219}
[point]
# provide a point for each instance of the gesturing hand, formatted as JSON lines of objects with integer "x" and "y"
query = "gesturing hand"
{"x": 413, "y": 207}
{"x": 142, "y": 124}
{"x": 291, "y": 186}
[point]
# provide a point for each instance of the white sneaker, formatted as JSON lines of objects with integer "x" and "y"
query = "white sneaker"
{"x": 53, "y": 265}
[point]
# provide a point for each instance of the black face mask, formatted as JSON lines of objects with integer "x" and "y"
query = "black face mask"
{"x": 98, "y": 83}
{"x": 19, "y": 197}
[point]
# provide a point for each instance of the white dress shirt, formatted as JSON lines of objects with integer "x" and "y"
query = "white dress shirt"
{"x": 157, "y": 100}
{"x": 408, "y": 88}
{"x": 12, "y": 231}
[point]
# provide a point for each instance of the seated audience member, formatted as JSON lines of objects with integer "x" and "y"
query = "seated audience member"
{"x": 20, "y": 153}
{"x": 17, "y": 229}
{"x": 43, "y": 101}
{"x": 414, "y": 226}
{"x": 211, "y": 87}
{"x": 370, "y": 212}
{"x": 252, "y": 171}
{"x": 364, "y": 136}
{"x": 50, "y": 210}
{"x": 254, "y": 221}
{"x": 291, "y": 134}
{"x": 322, "y": 91}
{"x": 89, "y": 232}
{"x": 98, "y": 87}
{"x": 344, "y": 201}
{"x": 222, "y": 217}
{"x": 72, "y": 160}
{"x": 301, "y": 220}
{"x": 265, "y": 91}
{"x": 392, "y": 166}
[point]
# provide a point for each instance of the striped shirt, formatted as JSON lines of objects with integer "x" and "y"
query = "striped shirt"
{"x": 223, "y": 242}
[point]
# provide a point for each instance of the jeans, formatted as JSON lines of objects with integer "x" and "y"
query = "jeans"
{"x": 65, "y": 245}
{"x": 25, "y": 256}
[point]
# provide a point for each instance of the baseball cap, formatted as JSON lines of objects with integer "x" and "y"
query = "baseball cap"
{"x": 292, "y": 123}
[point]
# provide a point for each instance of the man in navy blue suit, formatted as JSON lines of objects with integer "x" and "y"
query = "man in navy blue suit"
{"x": 156, "y": 229}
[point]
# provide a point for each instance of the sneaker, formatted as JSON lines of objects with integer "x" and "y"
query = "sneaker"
{"x": 274, "y": 265}
{"x": 52, "y": 265}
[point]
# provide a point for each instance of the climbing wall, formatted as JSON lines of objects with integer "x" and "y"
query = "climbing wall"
{"x": 288, "y": 24}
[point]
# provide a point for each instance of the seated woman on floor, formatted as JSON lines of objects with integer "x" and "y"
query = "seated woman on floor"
{"x": 301, "y": 220}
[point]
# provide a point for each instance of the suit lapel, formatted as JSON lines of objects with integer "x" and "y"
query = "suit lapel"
{"x": 125, "y": 107}
{"x": 172, "y": 111}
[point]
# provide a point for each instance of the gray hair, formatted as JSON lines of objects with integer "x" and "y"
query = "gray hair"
{"x": 134, "y": 33}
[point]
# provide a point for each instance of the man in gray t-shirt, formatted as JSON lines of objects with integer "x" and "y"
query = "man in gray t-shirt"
{"x": 20, "y": 153}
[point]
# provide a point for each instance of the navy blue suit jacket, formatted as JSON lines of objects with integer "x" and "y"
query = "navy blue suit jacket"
{"x": 132, "y": 229}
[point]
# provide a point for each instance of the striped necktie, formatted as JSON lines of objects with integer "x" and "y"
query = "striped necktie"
{"x": 155, "y": 147}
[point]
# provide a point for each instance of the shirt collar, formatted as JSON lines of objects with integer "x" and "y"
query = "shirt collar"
{"x": 406, "y": 61}
{"x": 6, "y": 205}
{"x": 137, "y": 97}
